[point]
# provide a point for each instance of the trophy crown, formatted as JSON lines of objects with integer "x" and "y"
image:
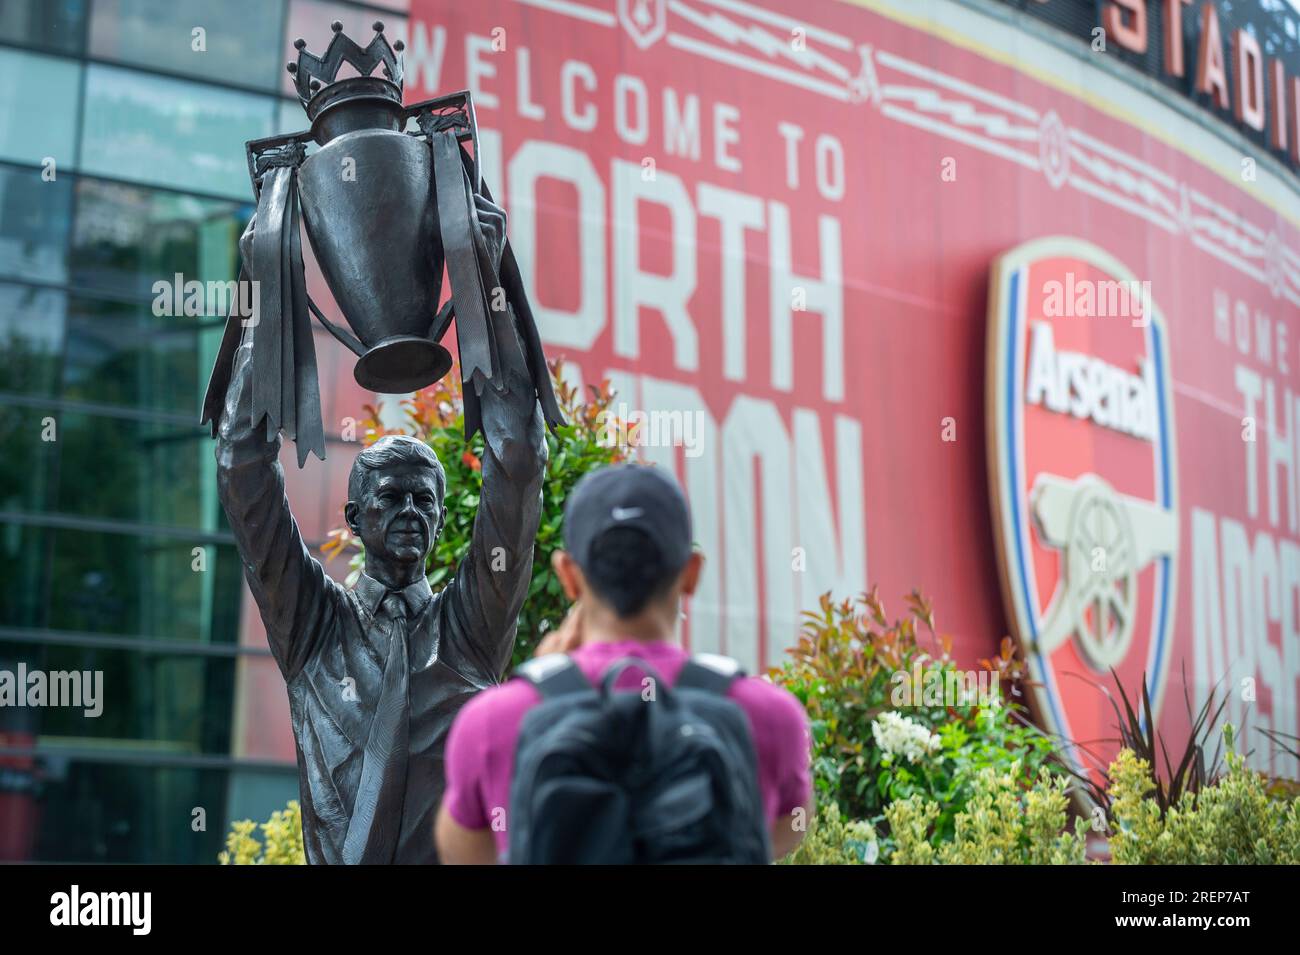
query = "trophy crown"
{"x": 311, "y": 73}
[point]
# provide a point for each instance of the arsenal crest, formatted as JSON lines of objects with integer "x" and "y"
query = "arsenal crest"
{"x": 1083, "y": 480}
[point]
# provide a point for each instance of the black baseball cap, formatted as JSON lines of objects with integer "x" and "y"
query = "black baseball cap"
{"x": 638, "y": 496}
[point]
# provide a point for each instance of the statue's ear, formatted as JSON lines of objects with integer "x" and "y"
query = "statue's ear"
{"x": 351, "y": 512}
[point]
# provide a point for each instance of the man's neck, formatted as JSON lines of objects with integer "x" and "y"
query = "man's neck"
{"x": 653, "y": 626}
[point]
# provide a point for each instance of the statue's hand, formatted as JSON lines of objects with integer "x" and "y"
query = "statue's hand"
{"x": 492, "y": 219}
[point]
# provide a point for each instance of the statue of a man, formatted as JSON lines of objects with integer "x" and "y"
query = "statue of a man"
{"x": 376, "y": 674}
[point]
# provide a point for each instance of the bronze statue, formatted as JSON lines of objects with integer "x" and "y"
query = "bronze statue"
{"x": 377, "y": 674}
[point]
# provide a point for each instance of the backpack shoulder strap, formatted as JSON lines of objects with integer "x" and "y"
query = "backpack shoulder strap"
{"x": 554, "y": 675}
{"x": 711, "y": 672}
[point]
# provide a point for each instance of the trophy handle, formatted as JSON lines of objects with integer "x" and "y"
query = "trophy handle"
{"x": 256, "y": 149}
{"x": 442, "y": 321}
{"x": 350, "y": 341}
{"x": 462, "y": 103}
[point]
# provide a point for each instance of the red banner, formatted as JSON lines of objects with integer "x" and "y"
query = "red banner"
{"x": 773, "y": 226}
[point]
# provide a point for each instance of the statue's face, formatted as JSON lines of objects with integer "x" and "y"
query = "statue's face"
{"x": 400, "y": 515}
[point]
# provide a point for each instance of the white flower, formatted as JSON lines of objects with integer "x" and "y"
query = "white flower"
{"x": 899, "y": 735}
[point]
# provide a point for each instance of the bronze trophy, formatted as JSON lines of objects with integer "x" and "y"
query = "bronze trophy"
{"x": 385, "y": 210}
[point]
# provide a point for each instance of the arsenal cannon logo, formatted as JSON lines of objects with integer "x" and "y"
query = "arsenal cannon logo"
{"x": 1082, "y": 474}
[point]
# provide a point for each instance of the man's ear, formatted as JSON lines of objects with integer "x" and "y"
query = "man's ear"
{"x": 566, "y": 569}
{"x": 690, "y": 576}
{"x": 351, "y": 512}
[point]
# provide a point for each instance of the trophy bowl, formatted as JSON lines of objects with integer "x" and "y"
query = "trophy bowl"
{"x": 368, "y": 202}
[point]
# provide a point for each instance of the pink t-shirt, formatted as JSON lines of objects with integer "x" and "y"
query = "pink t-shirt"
{"x": 480, "y": 755}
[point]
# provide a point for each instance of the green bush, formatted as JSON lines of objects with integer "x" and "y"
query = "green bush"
{"x": 834, "y": 840}
{"x": 283, "y": 834}
{"x": 1235, "y": 820}
{"x": 868, "y": 750}
{"x": 436, "y": 416}
{"x": 1238, "y": 818}
{"x": 1002, "y": 822}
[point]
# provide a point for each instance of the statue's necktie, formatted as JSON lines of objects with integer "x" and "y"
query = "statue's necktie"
{"x": 377, "y": 813}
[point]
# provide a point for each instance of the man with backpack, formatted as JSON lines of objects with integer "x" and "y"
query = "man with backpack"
{"x": 626, "y": 749}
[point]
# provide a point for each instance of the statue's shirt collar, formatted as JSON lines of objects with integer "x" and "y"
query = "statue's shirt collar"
{"x": 371, "y": 592}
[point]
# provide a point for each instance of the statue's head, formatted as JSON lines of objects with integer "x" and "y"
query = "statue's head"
{"x": 395, "y": 495}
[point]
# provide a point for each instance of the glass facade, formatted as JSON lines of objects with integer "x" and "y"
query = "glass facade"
{"x": 122, "y": 129}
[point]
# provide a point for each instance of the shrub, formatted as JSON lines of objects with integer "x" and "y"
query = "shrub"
{"x": 840, "y": 670}
{"x": 1196, "y": 768}
{"x": 1233, "y": 821}
{"x": 910, "y": 820}
{"x": 868, "y": 750}
{"x": 283, "y": 833}
{"x": 834, "y": 840}
{"x": 436, "y": 416}
{"x": 1002, "y": 822}
{"x": 993, "y": 738}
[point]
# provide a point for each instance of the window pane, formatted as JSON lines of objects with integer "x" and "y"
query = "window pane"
{"x": 34, "y": 217}
{"x": 120, "y": 354}
{"x": 38, "y": 108}
{"x": 239, "y": 44}
{"x": 31, "y": 339}
{"x": 126, "y": 238}
{"x": 180, "y": 704}
{"x": 127, "y": 470}
{"x": 124, "y": 584}
{"x": 126, "y": 814}
{"x": 141, "y": 814}
{"x": 51, "y": 24}
{"x": 169, "y": 132}
{"x": 290, "y": 118}
{"x": 27, "y": 480}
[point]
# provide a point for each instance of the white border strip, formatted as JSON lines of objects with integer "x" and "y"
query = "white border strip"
{"x": 957, "y": 86}
{"x": 1121, "y": 202}
{"x": 1119, "y": 156}
{"x": 740, "y": 61}
{"x": 970, "y": 139}
{"x": 784, "y": 22}
{"x": 578, "y": 11}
